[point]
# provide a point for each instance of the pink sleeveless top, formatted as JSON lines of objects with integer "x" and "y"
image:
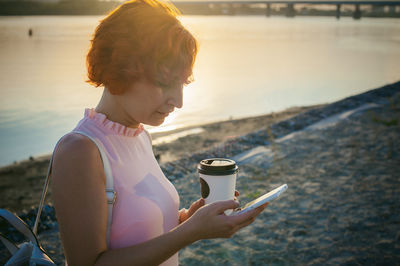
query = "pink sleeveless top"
{"x": 147, "y": 203}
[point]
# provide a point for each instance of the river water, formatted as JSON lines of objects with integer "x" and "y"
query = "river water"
{"x": 247, "y": 65}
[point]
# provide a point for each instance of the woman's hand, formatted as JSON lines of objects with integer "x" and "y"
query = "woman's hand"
{"x": 210, "y": 220}
{"x": 185, "y": 214}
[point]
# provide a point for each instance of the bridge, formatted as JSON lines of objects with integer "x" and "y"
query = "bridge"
{"x": 290, "y": 10}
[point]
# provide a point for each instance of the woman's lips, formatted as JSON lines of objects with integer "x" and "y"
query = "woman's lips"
{"x": 163, "y": 114}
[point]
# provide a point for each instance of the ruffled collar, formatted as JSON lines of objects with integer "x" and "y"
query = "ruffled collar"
{"x": 101, "y": 120}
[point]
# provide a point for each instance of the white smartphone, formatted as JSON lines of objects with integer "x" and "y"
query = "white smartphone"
{"x": 267, "y": 197}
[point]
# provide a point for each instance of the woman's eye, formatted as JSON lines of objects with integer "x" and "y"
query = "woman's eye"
{"x": 168, "y": 85}
{"x": 161, "y": 84}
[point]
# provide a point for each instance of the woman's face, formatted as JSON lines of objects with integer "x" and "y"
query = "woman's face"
{"x": 149, "y": 104}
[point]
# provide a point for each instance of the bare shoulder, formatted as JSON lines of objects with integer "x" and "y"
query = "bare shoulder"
{"x": 75, "y": 144}
{"x": 77, "y": 153}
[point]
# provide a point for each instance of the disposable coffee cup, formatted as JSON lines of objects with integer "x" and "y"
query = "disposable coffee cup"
{"x": 217, "y": 180}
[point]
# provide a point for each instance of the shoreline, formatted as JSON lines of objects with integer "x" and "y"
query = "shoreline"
{"x": 223, "y": 126}
{"x": 209, "y": 135}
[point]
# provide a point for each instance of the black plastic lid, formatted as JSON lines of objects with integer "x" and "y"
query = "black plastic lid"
{"x": 217, "y": 166}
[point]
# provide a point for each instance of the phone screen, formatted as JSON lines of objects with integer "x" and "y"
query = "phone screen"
{"x": 273, "y": 194}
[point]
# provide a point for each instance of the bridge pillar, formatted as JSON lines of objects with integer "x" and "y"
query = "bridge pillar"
{"x": 338, "y": 12}
{"x": 357, "y": 12}
{"x": 290, "y": 12}
{"x": 268, "y": 10}
{"x": 232, "y": 10}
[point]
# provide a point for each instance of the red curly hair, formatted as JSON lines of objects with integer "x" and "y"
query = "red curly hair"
{"x": 141, "y": 39}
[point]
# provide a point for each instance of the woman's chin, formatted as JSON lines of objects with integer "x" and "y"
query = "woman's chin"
{"x": 156, "y": 123}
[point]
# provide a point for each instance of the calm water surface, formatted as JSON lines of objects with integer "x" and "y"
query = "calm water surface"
{"x": 246, "y": 66}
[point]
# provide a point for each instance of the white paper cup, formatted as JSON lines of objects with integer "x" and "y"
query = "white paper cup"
{"x": 217, "y": 179}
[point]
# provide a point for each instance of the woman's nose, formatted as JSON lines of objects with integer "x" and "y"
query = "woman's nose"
{"x": 176, "y": 98}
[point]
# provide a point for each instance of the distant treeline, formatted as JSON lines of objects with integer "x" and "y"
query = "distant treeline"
{"x": 94, "y": 7}
{"x": 66, "y": 7}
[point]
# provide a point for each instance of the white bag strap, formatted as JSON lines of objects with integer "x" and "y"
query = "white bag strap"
{"x": 110, "y": 193}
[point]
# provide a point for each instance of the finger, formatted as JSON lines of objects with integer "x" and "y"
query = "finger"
{"x": 183, "y": 215}
{"x": 198, "y": 203}
{"x": 259, "y": 209}
{"x": 195, "y": 206}
{"x": 242, "y": 218}
{"x": 249, "y": 220}
{"x": 262, "y": 207}
{"x": 201, "y": 202}
{"x": 246, "y": 223}
{"x": 221, "y": 206}
{"x": 254, "y": 213}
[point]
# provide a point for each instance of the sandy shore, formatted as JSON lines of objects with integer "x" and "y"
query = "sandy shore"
{"x": 341, "y": 162}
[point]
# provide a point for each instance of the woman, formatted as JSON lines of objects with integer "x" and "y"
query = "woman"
{"x": 143, "y": 57}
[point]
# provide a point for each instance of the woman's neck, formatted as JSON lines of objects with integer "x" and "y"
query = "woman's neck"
{"x": 109, "y": 106}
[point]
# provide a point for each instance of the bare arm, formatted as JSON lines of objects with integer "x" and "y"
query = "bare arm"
{"x": 79, "y": 196}
{"x": 78, "y": 191}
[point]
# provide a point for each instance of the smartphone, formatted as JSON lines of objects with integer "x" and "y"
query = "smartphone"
{"x": 267, "y": 197}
